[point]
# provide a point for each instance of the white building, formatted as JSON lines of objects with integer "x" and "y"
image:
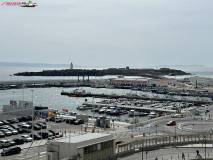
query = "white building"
{"x": 161, "y": 82}
{"x": 129, "y": 81}
{"x": 204, "y": 81}
{"x": 91, "y": 146}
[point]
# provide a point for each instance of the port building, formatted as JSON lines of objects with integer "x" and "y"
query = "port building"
{"x": 90, "y": 146}
{"x": 142, "y": 82}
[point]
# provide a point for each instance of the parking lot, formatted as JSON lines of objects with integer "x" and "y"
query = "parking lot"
{"x": 37, "y": 148}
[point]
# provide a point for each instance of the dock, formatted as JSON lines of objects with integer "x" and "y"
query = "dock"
{"x": 127, "y": 107}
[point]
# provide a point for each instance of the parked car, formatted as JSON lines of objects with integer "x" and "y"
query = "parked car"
{"x": 4, "y": 127}
{"x": 27, "y": 138}
{"x": 18, "y": 140}
{"x": 2, "y": 135}
{"x": 10, "y": 121}
{"x": 11, "y": 151}
{"x": 36, "y": 127}
{"x": 27, "y": 130}
{"x": 20, "y": 119}
{"x": 4, "y": 143}
{"x": 20, "y": 130}
{"x": 5, "y": 122}
{"x": 35, "y": 136}
{"x": 43, "y": 134}
{"x": 70, "y": 121}
{"x": 14, "y": 132}
{"x": 53, "y": 132}
{"x": 79, "y": 121}
{"x": 50, "y": 119}
{"x": 1, "y": 123}
{"x": 15, "y": 120}
{"x": 42, "y": 125}
{"x": 26, "y": 126}
{"x": 12, "y": 143}
{"x": 171, "y": 123}
{"x": 118, "y": 142}
{"x": 58, "y": 120}
{"x": 6, "y": 132}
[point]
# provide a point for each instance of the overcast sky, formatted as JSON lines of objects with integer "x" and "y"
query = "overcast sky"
{"x": 121, "y": 33}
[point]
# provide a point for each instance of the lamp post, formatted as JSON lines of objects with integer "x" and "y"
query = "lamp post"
{"x": 156, "y": 126}
{"x": 142, "y": 153}
{"x": 13, "y": 99}
{"x": 32, "y": 113}
{"x": 205, "y": 144}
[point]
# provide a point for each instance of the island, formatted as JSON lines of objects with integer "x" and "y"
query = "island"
{"x": 144, "y": 72}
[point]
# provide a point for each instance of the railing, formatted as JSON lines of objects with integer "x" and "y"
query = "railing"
{"x": 165, "y": 141}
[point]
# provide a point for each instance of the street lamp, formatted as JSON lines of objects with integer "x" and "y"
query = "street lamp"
{"x": 156, "y": 126}
{"x": 32, "y": 113}
{"x": 142, "y": 153}
{"x": 205, "y": 144}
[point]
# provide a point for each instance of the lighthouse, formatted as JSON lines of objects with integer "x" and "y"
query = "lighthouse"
{"x": 71, "y": 66}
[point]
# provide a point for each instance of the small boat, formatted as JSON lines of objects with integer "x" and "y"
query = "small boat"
{"x": 152, "y": 115}
{"x": 143, "y": 114}
{"x": 116, "y": 111}
{"x": 133, "y": 113}
{"x": 110, "y": 109}
{"x": 102, "y": 110}
{"x": 83, "y": 107}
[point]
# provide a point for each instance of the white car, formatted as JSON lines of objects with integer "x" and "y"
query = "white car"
{"x": 27, "y": 138}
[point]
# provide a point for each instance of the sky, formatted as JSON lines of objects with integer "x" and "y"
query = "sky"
{"x": 121, "y": 33}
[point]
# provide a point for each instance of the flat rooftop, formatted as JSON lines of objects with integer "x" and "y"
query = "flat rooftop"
{"x": 86, "y": 139}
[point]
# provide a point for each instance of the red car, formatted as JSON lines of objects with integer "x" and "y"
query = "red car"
{"x": 171, "y": 123}
{"x": 118, "y": 142}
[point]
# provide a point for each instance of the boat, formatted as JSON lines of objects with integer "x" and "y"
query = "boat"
{"x": 83, "y": 107}
{"x": 116, "y": 111}
{"x": 133, "y": 113}
{"x": 78, "y": 93}
{"x": 143, "y": 114}
{"x": 102, "y": 110}
{"x": 152, "y": 115}
{"x": 110, "y": 109}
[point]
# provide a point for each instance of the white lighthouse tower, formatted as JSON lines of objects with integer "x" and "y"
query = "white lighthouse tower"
{"x": 71, "y": 66}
